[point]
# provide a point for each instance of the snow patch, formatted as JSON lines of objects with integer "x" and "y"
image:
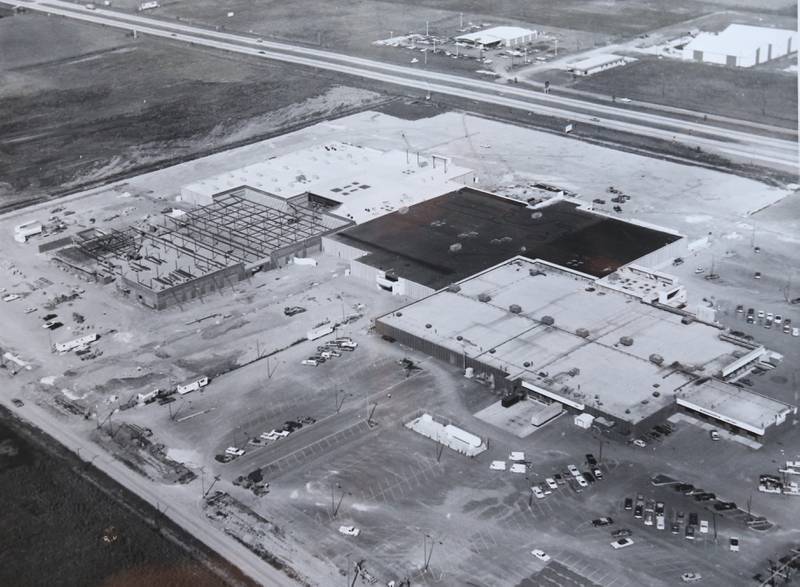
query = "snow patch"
{"x": 49, "y": 380}
{"x": 698, "y": 218}
{"x": 187, "y": 457}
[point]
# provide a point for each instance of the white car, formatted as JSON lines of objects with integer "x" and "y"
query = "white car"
{"x": 11, "y": 297}
{"x": 691, "y": 577}
{"x": 537, "y": 492}
{"x": 581, "y": 481}
{"x": 517, "y": 456}
{"x": 541, "y": 555}
{"x": 551, "y": 483}
{"x": 660, "y": 524}
{"x": 795, "y": 331}
{"x": 621, "y": 543}
{"x": 234, "y": 452}
{"x": 640, "y": 443}
{"x": 703, "y": 526}
{"x": 573, "y": 470}
{"x": 312, "y": 362}
{"x": 349, "y": 530}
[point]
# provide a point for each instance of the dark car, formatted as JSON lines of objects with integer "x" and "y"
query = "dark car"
{"x": 622, "y": 533}
{"x": 293, "y": 310}
{"x": 684, "y": 487}
{"x": 706, "y": 496}
{"x": 639, "y": 511}
{"x": 54, "y": 325}
{"x": 675, "y": 528}
{"x": 724, "y": 505}
{"x": 49, "y": 317}
{"x": 693, "y": 520}
{"x": 604, "y": 521}
{"x": 590, "y": 460}
{"x": 628, "y": 503}
{"x": 589, "y": 477}
{"x": 559, "y": 479}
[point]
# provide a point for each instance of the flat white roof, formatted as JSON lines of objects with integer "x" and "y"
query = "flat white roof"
{"x": 367, "y": 182}
{"x": 495, "y": 34}
{"x": 741, "y": 39}
{"x": 596, "y": 61}
{"x": 597, "y": 370}
{"x": 743, "y": 408}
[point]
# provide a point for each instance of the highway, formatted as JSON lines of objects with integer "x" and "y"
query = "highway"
{"x": 736, "y": 144}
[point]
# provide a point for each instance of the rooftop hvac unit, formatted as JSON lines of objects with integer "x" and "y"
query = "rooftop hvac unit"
{"x": 626, "y": 341}
{"x": 657, "y": 359}
{"x": 549, "y": 320}
{"x": 454, "y": 288}
{"x": 515, "y": 309}
{"x": 484, "y": 297}
{"x": 582, "y": 332}
{"x": 535, "y": 272}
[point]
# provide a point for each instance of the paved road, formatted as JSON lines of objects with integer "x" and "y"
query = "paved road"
{"x": 737, "y": 144}
{"x": 185, "y": 513}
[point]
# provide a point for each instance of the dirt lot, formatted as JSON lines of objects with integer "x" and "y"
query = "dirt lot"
{"x": 82, "y": 102}
{"x": 750, "y": 94}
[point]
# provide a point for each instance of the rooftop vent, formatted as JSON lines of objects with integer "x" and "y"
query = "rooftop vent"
{"x": 687, "y": 320}
{"x": 515, "y": 309}
{"x": 454, "y": 288}
{"x": 657, "y": 359}
{"x": 549, "y": 320}
{"x": 582, "y": 332}
{"x": 484, "y": 297}
{"x": 626, "y": 341}
{"x": 427, "y": 326}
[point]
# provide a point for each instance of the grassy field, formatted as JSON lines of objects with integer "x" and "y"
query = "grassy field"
{"x": 82, "y": 102}
{"x": 55, "y": 515}
{"x": 750, "y": 94}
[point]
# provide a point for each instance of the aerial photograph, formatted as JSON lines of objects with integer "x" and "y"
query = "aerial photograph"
{"x": 429, "y": 293}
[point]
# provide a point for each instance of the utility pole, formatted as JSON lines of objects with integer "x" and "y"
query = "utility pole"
{"x": 427, "y": 27}
{"x": 461, "y": 21}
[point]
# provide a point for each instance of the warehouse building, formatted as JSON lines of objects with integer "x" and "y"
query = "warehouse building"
{"x": 598, "y": 63}
{"x": 741, "y": 45}
{"x": 533, "y": 328}
{"x": 430, "y": 245}
{"x": 499, "y": 36}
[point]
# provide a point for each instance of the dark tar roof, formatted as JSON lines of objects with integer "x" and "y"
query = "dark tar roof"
{"x": 417, "y": 243}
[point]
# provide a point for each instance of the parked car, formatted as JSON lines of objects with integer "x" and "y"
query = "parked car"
{"x": 49, "y": 317}
{"x": 573, "y": 470}
{"x": 589, "y": 477}
{"x": 659, "y": 507}
{"x": 628, "y": 503}
{"x": 349, "y": 530}
{"x": 689, "y": 532}
{"x": 598, "y": 474}
{"x": 733, "y": 544}
{"x": 541, "y": 555}
{"x": 537, "y": 492}
{"x": 691, "y": 577}
{"x": 621, "y": 543}
{"x": 234, "y": 452}
{"x": 714, "y": 435}
{"x": 590, "y": 460}
{"x": 638, "y": 512}
{"x": 604, "y": 521}
{"x": 724, "y": 505}
{"x": 660, "y": 522}
{"x": 640, "y": 443}
{"x": 311, "y": 361}
{"x": 703, "y": 526}
{"x": 649, "y": 518}
{"x": 622, "y": 533}
{"x": 581, "y": 481}
{"x": 675, "y": 528}
{"x": 551, "y": 483}
{"x": 293, "y": 310}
